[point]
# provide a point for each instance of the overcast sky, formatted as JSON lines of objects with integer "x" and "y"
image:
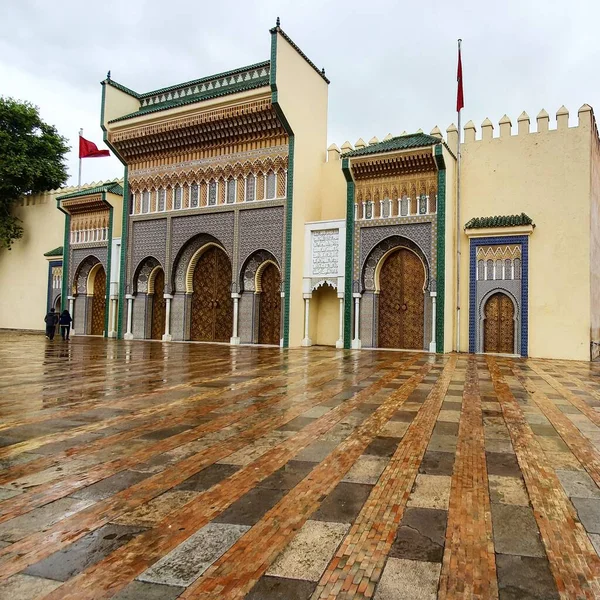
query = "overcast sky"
{"x": 392, "y": 65}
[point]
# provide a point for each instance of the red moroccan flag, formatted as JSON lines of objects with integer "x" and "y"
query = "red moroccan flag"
{"x": 460, "y": 101}
{"x": 88, "y": 149}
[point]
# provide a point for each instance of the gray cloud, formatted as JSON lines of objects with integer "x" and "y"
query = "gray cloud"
{"x": 392, "y": 64}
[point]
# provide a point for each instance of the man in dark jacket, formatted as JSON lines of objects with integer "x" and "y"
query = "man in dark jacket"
{"x": 51, "y": 319}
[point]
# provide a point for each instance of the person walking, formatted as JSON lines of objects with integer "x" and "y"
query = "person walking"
{"x": 51, "y": 319}
{"x": 65, "y": 321}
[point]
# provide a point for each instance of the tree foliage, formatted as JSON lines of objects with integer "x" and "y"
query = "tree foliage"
{"x": 32, "y": 160}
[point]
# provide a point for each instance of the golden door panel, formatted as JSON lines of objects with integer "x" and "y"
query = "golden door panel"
{"x": 212, "y": 306}
{"x": 223, "y": 314}
{"x": 401, "y": 303}
{"x": 99, "y": 302}
{"x": 499, "y": 330}
{"x": 269, "y": 313}
{"x": 158, "y": 307}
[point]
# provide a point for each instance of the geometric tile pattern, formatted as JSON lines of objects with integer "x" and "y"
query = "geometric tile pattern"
{"x": 206, "y": 471}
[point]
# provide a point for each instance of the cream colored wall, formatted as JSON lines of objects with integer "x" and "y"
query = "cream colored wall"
{"x": 333, "y": 187}
{"x": 547, "y": 176}
{"x": 449, "y": 306}
{"x": 117, "y": 104}
{"x": 302, "y": 95}
{"x": 595, "y": 239}
{"x": 24, "y": 269}
{"x": 117, "y": 203}
{"x": 325, "y": 328}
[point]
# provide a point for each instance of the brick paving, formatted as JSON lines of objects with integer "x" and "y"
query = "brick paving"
{"x": 151, "y": 471}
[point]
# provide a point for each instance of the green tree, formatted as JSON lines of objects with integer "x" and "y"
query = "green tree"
{"x": 32, "y": 160}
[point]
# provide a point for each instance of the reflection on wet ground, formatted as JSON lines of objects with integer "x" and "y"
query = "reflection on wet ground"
{"x": 141, "y": 470}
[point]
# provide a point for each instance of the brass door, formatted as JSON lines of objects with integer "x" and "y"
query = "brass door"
{"x": 212, "y": 306}
{"x": 401, "y": 303}
{"x": 269, "y": 311}
{"x": 159, "y": 304}
{"x": 499, "y": 330}
{"x": 99, "y": 302}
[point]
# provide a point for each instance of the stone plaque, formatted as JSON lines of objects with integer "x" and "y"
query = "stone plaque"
{"x": 325, "y": 251}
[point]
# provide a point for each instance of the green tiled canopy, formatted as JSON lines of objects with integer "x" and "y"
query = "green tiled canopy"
{"x": 401, "y": 142}
{"x": 56, "y": 252}
{"x": 499, "y": 221}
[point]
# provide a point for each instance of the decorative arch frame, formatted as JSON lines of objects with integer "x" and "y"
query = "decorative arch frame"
{"x": 189, "y": 273}
{"x": 386, "y": 256}
{"x": 481, "y": 316}
{"x": 142, "y": 274}
{"x": 152, "y": 277}
{"x": 252, "y": 269}
{"x": 91, "y": 278}
{"x": 369, "y": 280}
{"x": 82, "y": 271}
{"x": 181, "y": 265}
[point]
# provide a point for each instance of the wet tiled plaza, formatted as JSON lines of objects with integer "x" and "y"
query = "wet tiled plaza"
{"x": 150, "y": 471}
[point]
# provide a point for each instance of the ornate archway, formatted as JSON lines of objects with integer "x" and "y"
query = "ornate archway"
{"x": 401, "y": 300}
{"x": 211, "y": 305}
{"x": 499, "y": 324}
{"x": 269, "y": 311}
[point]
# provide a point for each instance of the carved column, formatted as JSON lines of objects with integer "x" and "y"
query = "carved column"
{"x": 167, "y": 337}
{"x": 235, "y": 338}
{"x": 340, "y": 341}
{"x": 356, "y": 341}
{"x": 129, "y": 335}
{"x": 306, "y": 341}
{"x": 432, "y": 344}
{"x": 71, "y": 300}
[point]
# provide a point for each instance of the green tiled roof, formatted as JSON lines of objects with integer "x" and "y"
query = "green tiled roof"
{"x": 191, "y": 91}
{"x": 56, "y": 252}
{"x": 499, "y": 221}
{"x": 401, "y": 142}
{"x": 113, "y": 188}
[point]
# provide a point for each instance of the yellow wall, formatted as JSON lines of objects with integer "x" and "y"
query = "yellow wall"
{"x": 117, "y": 104}
{"x": 547, "y": 176}
{"x": 333, "y": 188}
{"x": 117, "y": 203}
{"x": 595, "y": 240}
{"x": 24, "y": 269}
{"x": 302, "y": 94}
{"x": 324, "y": 316}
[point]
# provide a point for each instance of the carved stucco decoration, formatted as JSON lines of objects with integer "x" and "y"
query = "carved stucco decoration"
{"x": 248, "y": 271}
{"x": 140, "y": 280}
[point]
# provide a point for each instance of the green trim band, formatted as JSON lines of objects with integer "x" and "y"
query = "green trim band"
{"x": 441, "y": 250}
{"x": 67, "y": 249}
{"x": 349, "y": 274}
{"x": 289, "y": 213}
{"x": 123, "y": 257}
{"x": 125, "y": 219}
{"x": 108, "y": 264}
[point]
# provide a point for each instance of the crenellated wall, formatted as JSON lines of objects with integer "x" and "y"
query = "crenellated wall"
{"x": 546, "y": 174}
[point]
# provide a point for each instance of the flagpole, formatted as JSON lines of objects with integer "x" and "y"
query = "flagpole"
{"x": 458, "y": 220}
{"x": 79, "y": 179}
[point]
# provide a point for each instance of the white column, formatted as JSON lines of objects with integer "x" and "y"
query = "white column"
{"x": 356, "y": 340}
{"x": 340, "y": 342}
{"x": 167, "y": 337}
{"x": 282, "y": 308}
{"x": 128, "y": 335}
{"x": 71, "y": 300}
{"x": 113, "y": 318}
{"x": 306, "y": 341}
{"x": 235, "y": 338}
{"x": 432, "y": 344}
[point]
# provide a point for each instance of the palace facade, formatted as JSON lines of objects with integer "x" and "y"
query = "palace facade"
{"x": 233, "y": 224}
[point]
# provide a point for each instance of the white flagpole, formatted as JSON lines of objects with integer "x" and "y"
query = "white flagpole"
{"x": 79, "y": 179}
{"x": 458, "y": 225}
